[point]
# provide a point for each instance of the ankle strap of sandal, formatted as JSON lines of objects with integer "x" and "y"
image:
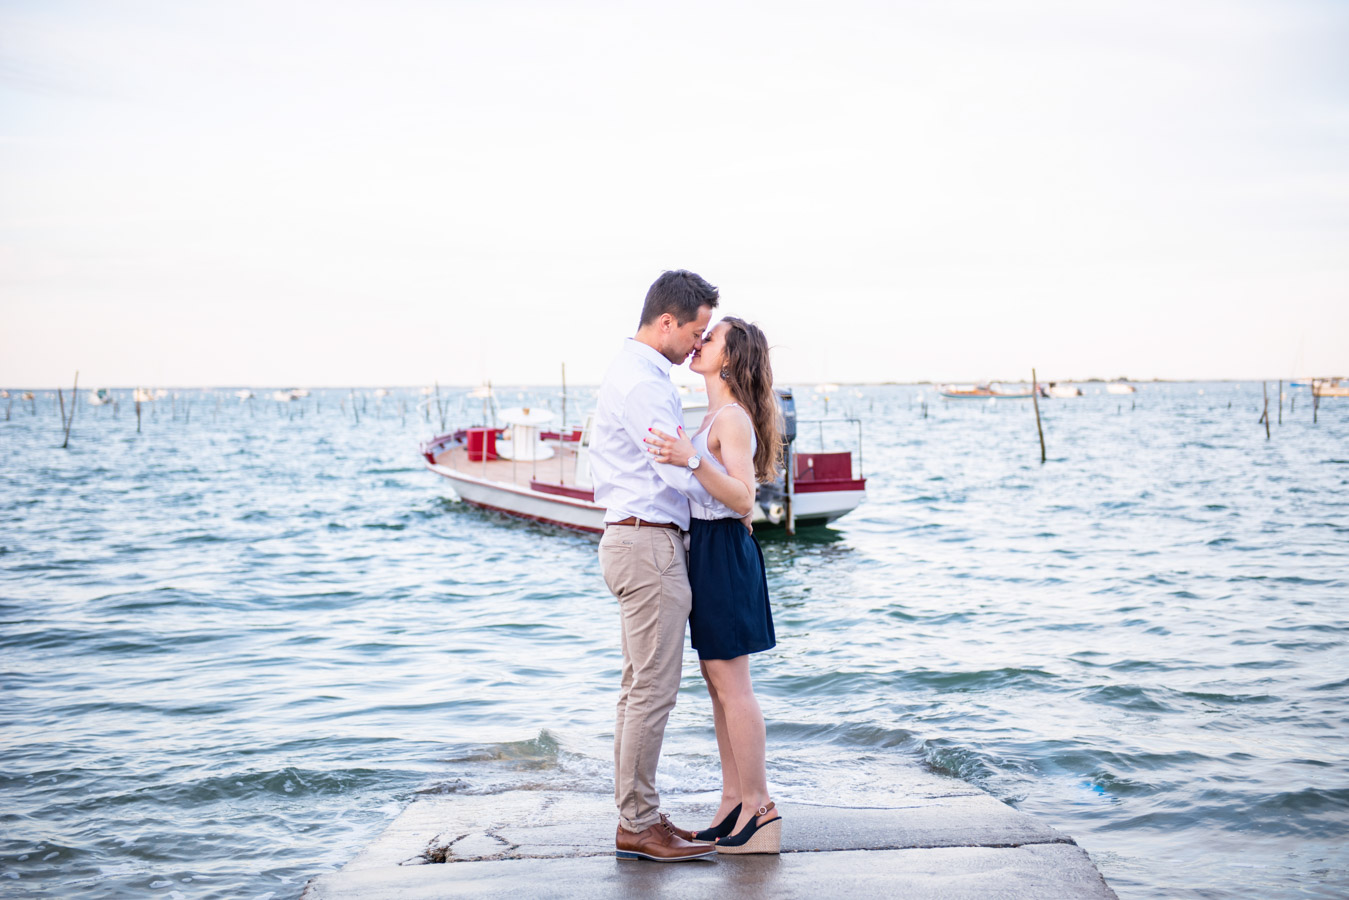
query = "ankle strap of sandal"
{"x": 763, "y": 810}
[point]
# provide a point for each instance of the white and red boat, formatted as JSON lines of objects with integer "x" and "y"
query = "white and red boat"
{"x": 527, "y": 471}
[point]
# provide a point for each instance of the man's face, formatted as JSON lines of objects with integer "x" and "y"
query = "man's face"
{"x": 681, "y": 340}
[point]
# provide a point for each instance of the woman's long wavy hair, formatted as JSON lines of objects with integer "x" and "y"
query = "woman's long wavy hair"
{"x": 746, "y": 369}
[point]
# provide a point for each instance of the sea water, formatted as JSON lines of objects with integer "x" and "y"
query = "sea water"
{"x": 235, "y": 644}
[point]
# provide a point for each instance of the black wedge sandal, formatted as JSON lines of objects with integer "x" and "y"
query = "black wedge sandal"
{"x": 755, "y": 837}
{"x": 719, "y": 830}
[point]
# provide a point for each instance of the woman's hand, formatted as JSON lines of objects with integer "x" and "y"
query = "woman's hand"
{"x": 666, "y": 449}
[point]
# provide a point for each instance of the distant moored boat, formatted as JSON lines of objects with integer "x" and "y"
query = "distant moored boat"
{"x": 1061, "y": 391}
{"x": 992, "y": 390}
{"x": 1330, "y": 387}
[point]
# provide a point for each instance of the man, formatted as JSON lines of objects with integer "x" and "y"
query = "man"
{"x": 643, "y": 553}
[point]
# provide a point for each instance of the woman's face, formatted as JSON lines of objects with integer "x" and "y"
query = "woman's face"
{"x": 707, "y": 359}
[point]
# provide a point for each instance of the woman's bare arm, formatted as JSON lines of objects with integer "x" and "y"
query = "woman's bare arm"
{"x": 732, "y": 437}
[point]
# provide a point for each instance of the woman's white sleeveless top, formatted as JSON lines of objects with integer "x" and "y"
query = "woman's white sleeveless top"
{"x": 715, "y": 509}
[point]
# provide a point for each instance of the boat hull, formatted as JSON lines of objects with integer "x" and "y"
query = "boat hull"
{"x": 524, "y": 503}
{"x": 813, "y": 507}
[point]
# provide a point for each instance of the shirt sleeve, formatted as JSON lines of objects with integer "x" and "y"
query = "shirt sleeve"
{"x": 651, "y": 404}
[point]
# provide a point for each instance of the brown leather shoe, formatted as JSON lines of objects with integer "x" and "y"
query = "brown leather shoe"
{"x": 659, "y": 843}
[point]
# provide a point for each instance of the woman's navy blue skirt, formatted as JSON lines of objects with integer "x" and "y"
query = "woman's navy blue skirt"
{"x": 730, "y": 591}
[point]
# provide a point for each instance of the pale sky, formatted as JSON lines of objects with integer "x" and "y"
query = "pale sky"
{"x": 296, "y": 193}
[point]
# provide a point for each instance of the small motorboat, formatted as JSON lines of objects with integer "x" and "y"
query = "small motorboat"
{"x": 1120, "y": 387}
{"x": 529, "y": 470}
{"x": 1058, "y": 391}
{"x": 987, "y": 391}
{"x": 1330, "y": 387}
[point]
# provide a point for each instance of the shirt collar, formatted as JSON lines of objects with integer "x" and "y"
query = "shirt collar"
{"x": 648, "y": 353}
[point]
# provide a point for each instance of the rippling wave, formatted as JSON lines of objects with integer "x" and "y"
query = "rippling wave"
{"x": 235, "y": 645}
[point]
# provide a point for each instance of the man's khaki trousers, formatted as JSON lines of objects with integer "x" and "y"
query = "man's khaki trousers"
{"x": 646, "y": 568}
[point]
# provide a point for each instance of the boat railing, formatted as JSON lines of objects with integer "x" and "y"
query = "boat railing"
{"x": 567, "y": 441}
{"x": 811, "y": 437}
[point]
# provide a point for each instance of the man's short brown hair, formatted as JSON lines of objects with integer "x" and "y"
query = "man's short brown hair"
{"x": 680, "y": 293}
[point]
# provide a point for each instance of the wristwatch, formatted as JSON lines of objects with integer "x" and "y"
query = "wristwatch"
{"x": 694, "y": 462}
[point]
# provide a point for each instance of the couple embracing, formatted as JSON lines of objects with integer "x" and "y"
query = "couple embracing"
{"x": 678, "y": 551}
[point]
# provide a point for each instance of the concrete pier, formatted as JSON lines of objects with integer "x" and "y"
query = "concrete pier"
{"x": 940, "y": 840}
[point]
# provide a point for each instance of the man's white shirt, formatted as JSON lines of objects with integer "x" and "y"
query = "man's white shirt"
{"x": 635, "y": 396}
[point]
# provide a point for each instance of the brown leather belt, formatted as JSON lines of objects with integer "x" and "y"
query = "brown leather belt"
{"x": 642, "y": 523}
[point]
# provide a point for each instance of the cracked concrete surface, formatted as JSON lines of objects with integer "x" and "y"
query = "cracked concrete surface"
{"x": 942, "y": 839}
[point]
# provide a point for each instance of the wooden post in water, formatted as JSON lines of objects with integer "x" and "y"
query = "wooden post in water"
{"x": 1264, "y": 386}
{"x": 74, "y": 401}
{"x": 1280, "y": 401}
{"x": 61, "y": 398}
{"x": 137, "y": 395}
{"x": 1035, "y": 400}
{"x": 1316, "y": 401}
{"x": 440, "y": 410}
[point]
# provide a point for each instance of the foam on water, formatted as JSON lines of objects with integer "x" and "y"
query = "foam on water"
{"x": 235, "y": 646}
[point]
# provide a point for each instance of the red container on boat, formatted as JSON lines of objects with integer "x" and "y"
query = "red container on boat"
{"x": 482, "y": 441}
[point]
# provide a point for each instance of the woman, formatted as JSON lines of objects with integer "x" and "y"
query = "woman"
{"x": 737, "y": 446}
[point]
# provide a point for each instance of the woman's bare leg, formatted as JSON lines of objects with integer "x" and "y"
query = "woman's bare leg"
{"x": 730, "y": 776}
{"x": 743, "y": 721}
